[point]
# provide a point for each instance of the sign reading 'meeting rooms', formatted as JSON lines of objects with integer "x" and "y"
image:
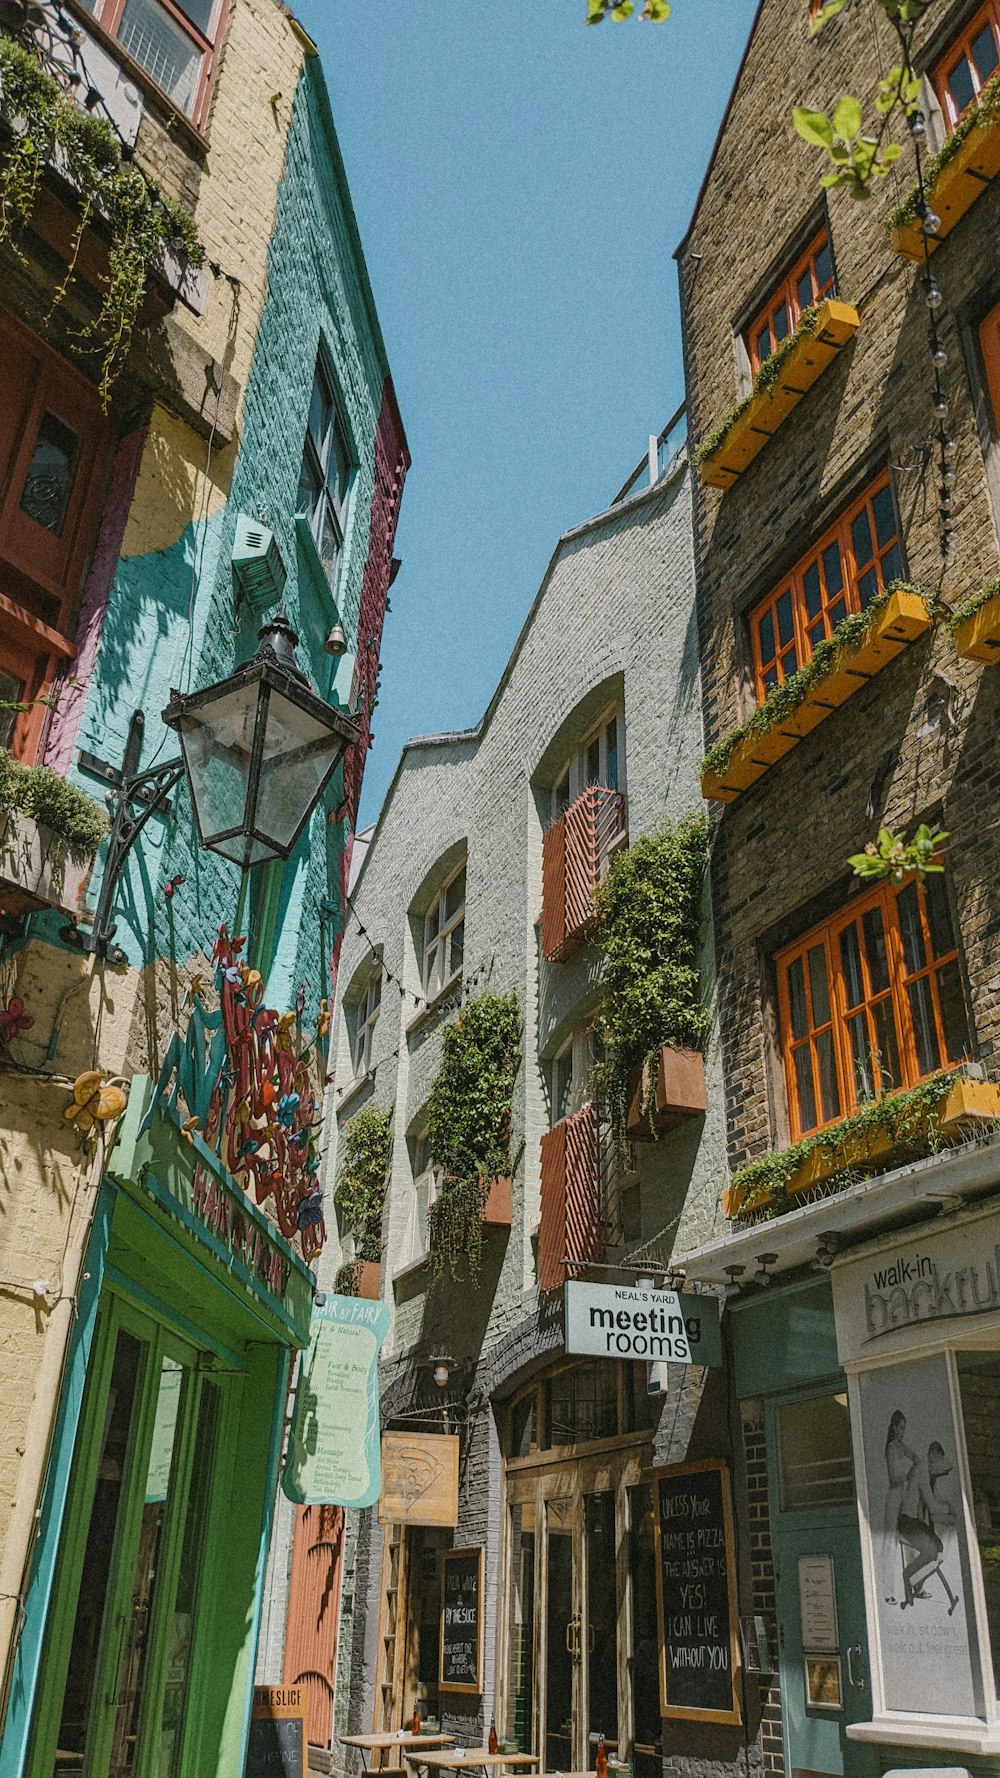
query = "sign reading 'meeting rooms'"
{"x": 631, "y": 1321}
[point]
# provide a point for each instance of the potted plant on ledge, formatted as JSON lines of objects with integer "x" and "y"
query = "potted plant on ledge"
{"x": 49, "y": 835}
{"x": 469, "y": 1130}
{"x": 360, "y": 1198}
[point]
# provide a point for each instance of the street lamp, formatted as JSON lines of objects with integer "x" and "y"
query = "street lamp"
{"x": 258, "y": 749}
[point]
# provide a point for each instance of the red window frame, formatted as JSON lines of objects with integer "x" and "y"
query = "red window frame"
{"x": 837, "y": 577}
{"x": 108, "y": 14}
{"x": 787, "y": 299}
{"x": 961, "y": 50}
{"x": 869, "y": 1002}
{"x": 989, "y": 345}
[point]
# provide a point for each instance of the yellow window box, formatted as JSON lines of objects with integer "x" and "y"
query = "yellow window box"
{"x": 978, "y": 637}
{"x": 960, "y": 182}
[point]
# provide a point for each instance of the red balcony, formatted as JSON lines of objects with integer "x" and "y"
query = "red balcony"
{"x": 576, "y": 852}
{"x": 578, "y": 1197}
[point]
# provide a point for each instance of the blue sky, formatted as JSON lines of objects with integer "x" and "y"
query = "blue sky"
{"x": 520, "y": 183}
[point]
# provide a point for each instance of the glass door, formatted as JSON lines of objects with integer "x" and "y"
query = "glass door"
{"x": 120, "y": 1629}
{"x": 562, "y": 1636}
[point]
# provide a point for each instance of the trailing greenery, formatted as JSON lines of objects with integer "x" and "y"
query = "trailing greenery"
{"x": 763, "y": 384}
{"x": 40, "y": 793}
{"x": 649, "y": 916}
{"x": 892, "y": 857}
{"x": 962, "y": 613}
{"x": 364, "y": 1177}
{"x": 981, "y": 115}
{"x": 143, "y": 224}
{"x": 469, "y": 1119}
{"x": 905, "y": 1119}
{"x": 792, "y": 692}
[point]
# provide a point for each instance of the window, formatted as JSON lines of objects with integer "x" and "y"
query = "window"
{"x": 175, "y": 41}
{"x": 569, "y": 1075}
{"x": 850, "y": 565}
{"x": 989, "y": 343}
{"x": 444, "y": 935}
{"x": 366, "y": 1013}
{"x": 325, "y": 476}
{"x": 960, "y": 77}
{"x": 426, "y": 1182}
{"x": 809, "y": 281}
{"x": 815, "y": 1468}
{"x": 594, "y": 761}
{"x": 870, "y": 1001}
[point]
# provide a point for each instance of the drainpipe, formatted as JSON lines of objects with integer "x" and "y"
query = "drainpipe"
{"x": 23, "y": 1528}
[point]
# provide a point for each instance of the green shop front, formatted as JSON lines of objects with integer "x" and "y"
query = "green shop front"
{"x": 137, "y": 1650}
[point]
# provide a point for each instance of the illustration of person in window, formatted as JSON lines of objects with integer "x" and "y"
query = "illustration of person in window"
{"x": 927, "y": 1508}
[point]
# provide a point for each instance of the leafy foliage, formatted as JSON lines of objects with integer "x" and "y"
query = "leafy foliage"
{"x": 792, "y": 692}
{"x": 981, "y": 115}
{"x": 143, "y": 224}
{"x": 363, "y": 1178}
{"x": 619, "y": 10}
{"x": 856, "y": 160}
{"x": 469, "y": 1121}
{"x": 39, "y": 792}
{"x": 962, "y": 613}
{"x": 905, "y": 1119}
{"x": 892, "y": 857}
{"x": 649, "y": 916}
{"x": 764, "y": 382}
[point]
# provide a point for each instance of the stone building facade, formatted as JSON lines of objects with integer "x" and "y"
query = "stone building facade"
{"x": 557, "y": 1454}
{"x": 249, "y": 455}
{"x": 826, "y": 500}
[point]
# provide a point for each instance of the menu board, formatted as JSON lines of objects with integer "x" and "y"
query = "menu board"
{"x": 277, "y": 1744}
{"x": 696, "y": 1594}
{"x": 461, "y": 1621}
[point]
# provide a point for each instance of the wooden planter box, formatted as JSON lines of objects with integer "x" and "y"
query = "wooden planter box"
{"x": 498, "y": 1209}
{"x": 365, "y": 1279}
{"x": 966, "y": 1103}
{"x": 37, "y": 868}
{"x": 679, "y": 1093}
{"x": 903, "y": 618}
{"x": 978, "y": 638}
{"x": 836, "y": 324}
{"x": 955, "y": 189}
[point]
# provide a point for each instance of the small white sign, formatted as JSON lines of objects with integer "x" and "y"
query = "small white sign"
{"x": 818, "y": 1605}
{"x": 629, "y": 1321}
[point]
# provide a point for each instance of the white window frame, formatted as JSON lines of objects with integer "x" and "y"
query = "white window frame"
{"x": 426, "y": 1185}
{"x": 437, "y": 969}
{"x": 576, "y": 776}
{"x": 320, "y": 464}
{"x": 366, "y": 1012}
{"x": 576, "y": 1058}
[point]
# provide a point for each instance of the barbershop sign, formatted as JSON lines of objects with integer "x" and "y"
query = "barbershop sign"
{"x": 628, "y": 1321}
{"x": 915, "y": 1281}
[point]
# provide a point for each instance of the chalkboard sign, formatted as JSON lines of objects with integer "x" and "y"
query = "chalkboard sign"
{"x": 696, "y": 1594}
{"x": 461, "y": 1621}
{"x": 277, "y": 1744}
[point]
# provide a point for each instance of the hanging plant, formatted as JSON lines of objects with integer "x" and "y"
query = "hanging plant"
{"x": 649, "y": 917}
{"x": 892, "y": 857}
{"x": 364, "y": 1176}
{"x": 144, "y": 226}
{"x": 469, "y": 1125}
{"x": 40, "y": 793}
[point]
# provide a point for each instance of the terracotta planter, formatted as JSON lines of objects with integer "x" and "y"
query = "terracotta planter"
{"x": 836, "y": 324}
{"x": 965, "y": 1104}
{"x": 955, "y": 189}
{"x": 679, "y": 1094}
{"x": 37, "y": 868}
{"x": 360, "y": 1278}
{"x": 498, "y": 1209}
{"x": 978, "y": 638}
{"x": 903, "y": 618}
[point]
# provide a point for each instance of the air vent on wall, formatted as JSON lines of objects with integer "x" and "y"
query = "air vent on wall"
{"x": 257, "y": 563}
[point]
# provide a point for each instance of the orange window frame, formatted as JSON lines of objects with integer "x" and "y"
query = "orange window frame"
{"x": 989, "y": 345}
{"x": 961, "y": 49}
{"x": 828, "y": 584}
{"x": 109, "y": 13}
{"x": 788, "y": 297}
{"x": 820, "y": 1051}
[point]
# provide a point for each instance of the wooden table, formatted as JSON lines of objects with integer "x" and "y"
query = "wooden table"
{"x": 453, "y": 1759}
{"x": 403, "y": 1739}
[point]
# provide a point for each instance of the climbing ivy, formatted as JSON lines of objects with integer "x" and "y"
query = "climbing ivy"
{"x": 364, "y": 1176}
{"x": 469, "y": 1125}
{"x": 143, "y": 225}
{"x": 649, "y": 917}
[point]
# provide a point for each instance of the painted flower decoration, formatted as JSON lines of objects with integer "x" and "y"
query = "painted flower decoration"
{"x": 14, "y": 1020}
{"x": 288, "y": 1105}
{"x": 309, "y": 1210}
{"x": 93, "y": 1101}
{"x": 323, "y": 1019}
{"x": 283, "y": 1038}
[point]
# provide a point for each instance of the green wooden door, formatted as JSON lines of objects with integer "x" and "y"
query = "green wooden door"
{"x": 822, "y": 1635}
{"x": 111, "y": 1702}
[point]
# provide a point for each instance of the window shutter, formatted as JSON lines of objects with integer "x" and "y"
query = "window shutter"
{"x": 552, "y": 1233}
{"x": 554, "y": 889}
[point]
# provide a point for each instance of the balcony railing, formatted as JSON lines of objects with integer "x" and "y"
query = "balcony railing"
{"x": 580, "y": 1213}
{"x": 576, "y": 852}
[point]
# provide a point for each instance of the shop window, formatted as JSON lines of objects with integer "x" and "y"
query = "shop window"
{"x": 325, "y": 475}
{"x": 961, "y": 75}
{"x": 869, "y": 1002}
{"x": 810, "y": 279}
{"x": 176, "y": 42}
{"x": 979, "y": 1389}
{"x": 444, "y": 936}
{"x": 852, "y": 563}
{"x": 569, "y": 1076}
{"x": 814, "y": 1453}
{"x": 582, "y": 1404}
{"x": 521, "y": 1627}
